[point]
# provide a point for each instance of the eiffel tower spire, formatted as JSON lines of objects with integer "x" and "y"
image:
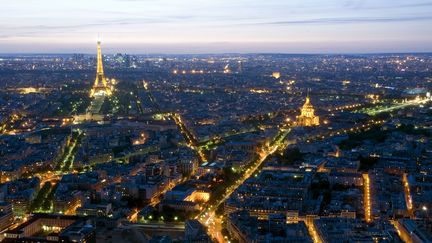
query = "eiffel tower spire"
{"x": 100, "y": 84}
{"x": 99, "y": 60}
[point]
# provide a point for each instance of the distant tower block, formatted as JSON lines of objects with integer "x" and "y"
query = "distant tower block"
{"x": 307, "y": 117}
{"x": 100, "y": 85}
{"x": 240, "y": 67}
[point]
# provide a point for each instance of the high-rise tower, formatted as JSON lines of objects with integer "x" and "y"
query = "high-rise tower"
{"x": 100, "y": 85}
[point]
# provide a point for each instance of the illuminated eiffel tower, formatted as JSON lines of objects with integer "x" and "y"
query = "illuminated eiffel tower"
{"x": 100, "y": 85}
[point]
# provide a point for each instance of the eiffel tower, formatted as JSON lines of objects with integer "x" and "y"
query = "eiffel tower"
{"x": 100, "y": 85}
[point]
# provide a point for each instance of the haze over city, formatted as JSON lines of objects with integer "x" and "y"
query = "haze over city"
{"x": 197, "y": 26}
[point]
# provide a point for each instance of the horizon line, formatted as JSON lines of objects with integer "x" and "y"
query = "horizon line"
{"x": 223, "y": 53}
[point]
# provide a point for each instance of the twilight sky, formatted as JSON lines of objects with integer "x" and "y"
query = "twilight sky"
{"x": 215, "y": 26}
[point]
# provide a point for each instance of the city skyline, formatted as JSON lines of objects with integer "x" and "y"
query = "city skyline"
{"x": 216, "y": 121}
{"x": 145, "y": 26}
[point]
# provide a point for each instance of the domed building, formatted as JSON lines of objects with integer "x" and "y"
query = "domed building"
{"x": 307, "y": 116}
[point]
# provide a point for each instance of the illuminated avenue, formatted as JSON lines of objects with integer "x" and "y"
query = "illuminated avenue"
{"x": 216, "y": 148}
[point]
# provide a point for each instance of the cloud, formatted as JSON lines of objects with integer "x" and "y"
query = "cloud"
{"x": 28, "y": 30}
{"x": 346, "y": 20}
{"x": 392, "y": 6}
{"x": 11, "y": 30}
